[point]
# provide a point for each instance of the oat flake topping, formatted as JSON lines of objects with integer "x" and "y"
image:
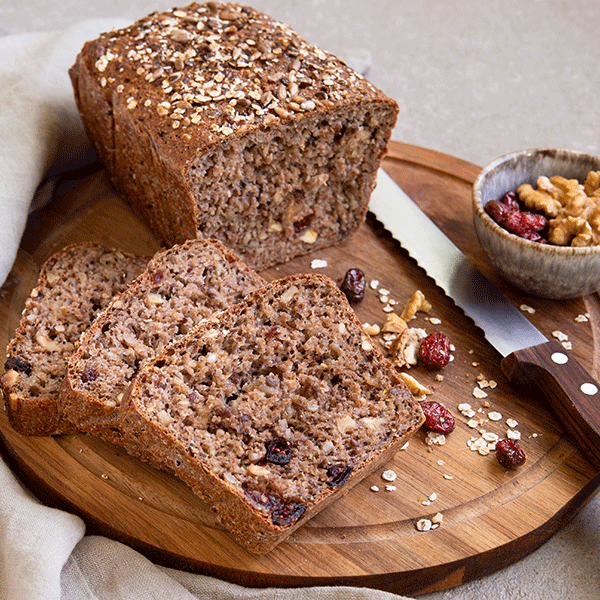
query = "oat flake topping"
{"x": 224, "y": 63}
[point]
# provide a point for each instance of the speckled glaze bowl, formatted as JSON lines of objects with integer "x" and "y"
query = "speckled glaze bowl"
{"x": 544, "y": 270}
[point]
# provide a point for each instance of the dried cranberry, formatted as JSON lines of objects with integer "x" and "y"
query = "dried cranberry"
{"x": 269, "y": 500}
{"x": 302, "y": 224}
{"x": 497, "y": 211}
{"x": 510, "y": 200}
{"x": 288, "y": 513}
{"x": 507, "y": 214}
{"x": 434, "y": 351}
{"x": 354, "y": 285}
{"x": 16, "y": 364}
{"x": 509, "y": 454}
{"x": 279, "y": 451}
{"x": 437, "y": 417}
{"x": 89, "y": 374}
{"x": 521, "y": 223}
{"x": 157, "y": 277}
{"x": 272, "y": 331}
{"x": 338, "y": 474}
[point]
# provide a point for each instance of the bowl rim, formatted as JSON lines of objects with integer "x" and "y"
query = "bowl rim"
{"x": 511, "y": 237}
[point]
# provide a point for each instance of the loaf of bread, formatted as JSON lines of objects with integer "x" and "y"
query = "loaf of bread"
{"x": 271, "y": 409}
{"x": 73, "y": 286}
{"x": 216, "y": 121}
{"x": 179, "y": 287}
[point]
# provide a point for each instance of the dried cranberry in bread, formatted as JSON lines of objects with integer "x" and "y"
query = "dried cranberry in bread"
{"x": 73, "y": 286}
{"x": 216, "y": 121}
{"x": 271, "y": 409}
{"x": 179, "y": 287}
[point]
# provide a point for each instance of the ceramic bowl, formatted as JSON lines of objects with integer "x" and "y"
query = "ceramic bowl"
{"x": 543, "y": 270}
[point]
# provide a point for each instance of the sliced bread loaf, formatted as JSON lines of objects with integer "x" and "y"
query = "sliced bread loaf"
{"x": 73, "y": 286}
{"x": 271, "y": 409}
{"x": 179, "y": 287}
{"x": 216, "y": 121}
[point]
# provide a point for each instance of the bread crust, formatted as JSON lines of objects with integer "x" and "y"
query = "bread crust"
{"x": 216, "y": 121}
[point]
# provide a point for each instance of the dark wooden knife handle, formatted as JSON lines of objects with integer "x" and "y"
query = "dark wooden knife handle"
{"x": 571, "y": 391}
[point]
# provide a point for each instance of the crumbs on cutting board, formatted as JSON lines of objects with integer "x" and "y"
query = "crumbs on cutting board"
{"x": 488, "y": 426}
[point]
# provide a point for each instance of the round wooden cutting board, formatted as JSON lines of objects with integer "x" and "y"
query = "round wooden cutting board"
{"x": 491, "y": 517}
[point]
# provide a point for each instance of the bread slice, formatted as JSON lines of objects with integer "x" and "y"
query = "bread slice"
{"x": 179, "y": 287}
{"x": 216, "y": 121}
{"x": 73, "y": 286}
{"x": 271, "y": 409}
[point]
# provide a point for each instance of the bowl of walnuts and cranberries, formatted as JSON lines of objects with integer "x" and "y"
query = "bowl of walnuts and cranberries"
{"x": 537, "y": 216}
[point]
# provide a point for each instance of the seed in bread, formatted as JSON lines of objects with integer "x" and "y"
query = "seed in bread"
{"x": 179, "y": 287}
{"x": 271, "y": 409}
{"x": 216, "y": 121}
{"x": 73, "y": 286}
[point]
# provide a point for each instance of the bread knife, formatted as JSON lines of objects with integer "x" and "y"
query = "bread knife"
{"x": 529, "y": 359}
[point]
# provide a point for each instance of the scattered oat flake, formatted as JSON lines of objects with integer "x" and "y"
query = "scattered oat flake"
{"x": 511, "y": 423}
{"x": 426, "y": 502}
{"x": 441, "y": 462}
{"x": 493, "y": 384}
{"x": 435, "y": 321}
{"x": 424, "y": 524}
{"x": 560, "y": 336}
{"x": 436, "y": 439}
{"x": 318, "y": 264}
{"x": 511, "y": 434}
{"x": 567, "y": 345}
{"x": 473, "y": 423}
{"x": 389, "y": 475}
{"x": 583, "y": 318}
{"x": 494, "y": 416}
{"x": 405, "y": 446}
{"x": 528, "y": 309}
{"x": 447, "y": 476}
{"x": 433, "y": 497}
{"x": 489, "y": 436}
{"x": 479, "y": 393}
{"x": 390, "y": 488}
{"x": 374, "y": 284}
{"x": 384, "y": 292}
{"x": 374, "y": 488}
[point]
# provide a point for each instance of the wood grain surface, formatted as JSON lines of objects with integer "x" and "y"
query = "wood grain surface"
{"x": 491, "y": 517}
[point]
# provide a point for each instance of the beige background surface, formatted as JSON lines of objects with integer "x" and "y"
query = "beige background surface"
{"x": 473, "y": 79}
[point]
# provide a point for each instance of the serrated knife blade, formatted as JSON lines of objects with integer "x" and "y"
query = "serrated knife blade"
{"x": 529, "y": 357}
